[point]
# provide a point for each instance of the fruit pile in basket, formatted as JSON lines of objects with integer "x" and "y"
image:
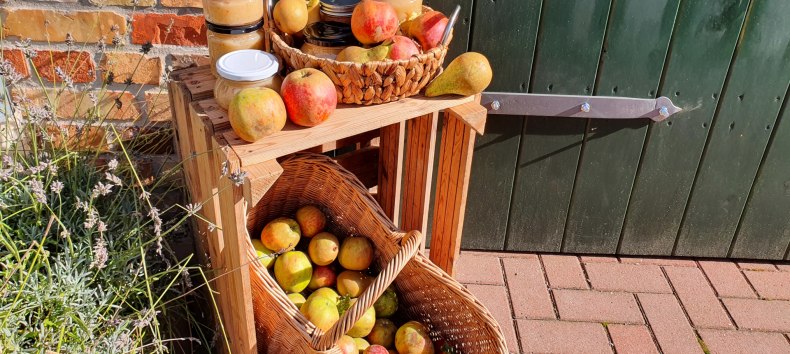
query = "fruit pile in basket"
{"x": 323, "y": 275}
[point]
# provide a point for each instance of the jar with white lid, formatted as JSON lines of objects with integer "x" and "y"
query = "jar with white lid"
{"x": 223, "y": 39}
{"x": 245, "y": 69}
{"x": 233, "y": 12}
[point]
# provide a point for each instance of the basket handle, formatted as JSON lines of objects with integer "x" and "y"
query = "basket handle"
{"x": 410, "y": 245}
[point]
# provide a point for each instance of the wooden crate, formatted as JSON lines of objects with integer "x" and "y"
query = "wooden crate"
{"x": 390, "y": 147}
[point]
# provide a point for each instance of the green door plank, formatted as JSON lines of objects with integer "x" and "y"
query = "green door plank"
{"x": 765, "y": 230}
{"x": 462, "y": 28}
{"x": 759, "y": 74}
{"x": 705, "y": 36}
{"x": 634, "y": 51}
{"x": 566, "y": 61}
{"x": 496, "y": 152}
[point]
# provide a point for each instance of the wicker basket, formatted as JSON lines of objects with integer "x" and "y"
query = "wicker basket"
{"x": 426, "y": 292}
{"x": 373, "y": 82}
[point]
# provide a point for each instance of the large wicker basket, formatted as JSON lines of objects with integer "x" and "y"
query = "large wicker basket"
{"x": 369, "y": 83}
{"x": 426, "y": 292}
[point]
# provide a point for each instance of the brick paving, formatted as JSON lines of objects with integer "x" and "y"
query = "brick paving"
{"x": 548, "y": 303}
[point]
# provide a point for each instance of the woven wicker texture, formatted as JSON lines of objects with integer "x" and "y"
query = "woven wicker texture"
{"x": 426, "y": 292}
{"x": 369, "y": 83}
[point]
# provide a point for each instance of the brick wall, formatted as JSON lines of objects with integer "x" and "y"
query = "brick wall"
{"x": 119, "y": 51}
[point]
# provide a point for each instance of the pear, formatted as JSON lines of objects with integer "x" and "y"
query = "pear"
{"x": 362, "y": 55}
{"x": 469, "y": 74}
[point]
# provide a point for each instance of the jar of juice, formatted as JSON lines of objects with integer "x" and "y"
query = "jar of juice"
{"x": 245, "y": 69}
{"x": 406, "y": 9}
{"x": 223, "y": 40}
{"x": 233, "y": 12}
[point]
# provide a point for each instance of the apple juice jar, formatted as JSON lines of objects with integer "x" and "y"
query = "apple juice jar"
{"x": 223, "y": 40}
{"x": 233, "y": 12}
{"x": 406, "y": 9}
{"x": 245, "y": 69}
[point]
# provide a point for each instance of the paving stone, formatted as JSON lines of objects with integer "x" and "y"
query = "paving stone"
{"x": 659, "y": 261}
{"x": 744, "y": 342}
{"x": 784, "y": 267}
{"x": 496, "y": 301}
{"x": 770, "y": 285}
{"x": 698, "y": 298}
{"x": 727, "y": 279}
{"x": 761, "y": 315}
{"x": 627, "y": 277}
{"x": 632, "y": 339}
{"x": 669, "y": 324}
{"x": 528, "y": 292}
{"x": 757, "y": 265}
{"x": 599, "y": 259}
{"x": 596, "y": 306}
{"x": 479, "y": 269}
{"x": 538, "y": 336}
{"x": 564, "y": 271}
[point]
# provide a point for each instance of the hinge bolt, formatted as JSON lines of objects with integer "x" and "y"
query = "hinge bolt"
{"x": 663, "y": 111}
{"x": 585, "y": 107}
{"x": 495, "y": 105}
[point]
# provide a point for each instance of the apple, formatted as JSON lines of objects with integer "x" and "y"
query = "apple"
{"x": 323, "y": 276}
{"x": 376, "y": 349}
{"x": 310, "y": 97}
{"x": 427, "y": 29}
{"x": 403, "y": 48}
{"x": 374, "y": 21}
{"x": 281, "y": 234}
{"x": 311, "y": 220}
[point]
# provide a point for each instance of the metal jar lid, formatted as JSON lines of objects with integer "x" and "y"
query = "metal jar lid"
{"x": 234, "y": 29}
{"x": 329, "y": 34}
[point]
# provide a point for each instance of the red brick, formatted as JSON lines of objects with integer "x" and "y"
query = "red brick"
{"x": 17, "y": 60}
{"x": 627, "y": 277}
{"x": 157, "y": 105}
{"x": 479, "y": 269}
{"x": 698, "y": 298}
{"x": 744, "y": 342}
{"x": 564, "y": 271}
{"x": 186, "y": 30}
{"x": 757, "y": 265}
{"x": 78, "y": 65}
{"x": 528, "y": 292}
{"x": 727, "y": 279}
{"x": 596, "y": 306}
{"x": 183, "y": 3}
{"x": 599, "y": 259}
{"x": 669, "y": 324}
{"x": 632, "y": 339}
{"x": 496, "y": 301}
{"x": 673, "y": 262}
{"x": 53, "y": 26}
{"x": 141, "y": 69}
{"x": 761, "y": 315}
{"x": 72, "y": 137}
{"x": 785, "y": 267}
{"x": 563, "y": 337}
{"x": 770, "y": 285}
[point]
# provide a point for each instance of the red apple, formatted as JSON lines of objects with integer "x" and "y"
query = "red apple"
{"x": 427, "y": 29}
{"x": 374, "y": 21}
{"x": 376, "y": 349}
{"x": 309, "y": 96}
{"x": 403, "y": 48}
{"x": 323, "y": 276}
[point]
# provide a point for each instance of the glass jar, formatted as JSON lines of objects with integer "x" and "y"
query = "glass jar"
{"x": 223, "y": 40}
{"x": 245, "y": 69}
{"x": 233, "y": 12}
{"x": 406, "y": 9}
{"x": 326, "y": 39}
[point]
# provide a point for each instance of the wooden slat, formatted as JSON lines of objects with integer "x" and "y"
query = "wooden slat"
{"x": 199, "y": 83}
{"x": 364, "y": 163}
{"x": 496, "y": 152}
{"x": 473, "y": 115}
{"x": 699, "y": 60}
{"x": 420, "y": 152}
{"x": 636, "y": 44}
{"x": 753, "y": 97}
{"x": 765, "y": 229}
{"x": 391, "y": 169}
{"x": 566, "y": 61}
{"x": 260, "y": 178}
{"x": 346, "y": 121}
{"x": 455, "y": 163}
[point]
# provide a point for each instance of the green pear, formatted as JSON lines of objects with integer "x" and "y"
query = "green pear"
{"x": 469, "y": 74}
{"x": 362, "y": 55}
